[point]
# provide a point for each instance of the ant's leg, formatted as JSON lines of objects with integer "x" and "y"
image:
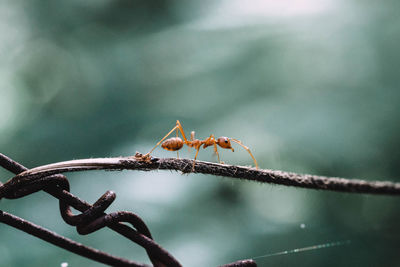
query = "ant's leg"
{"x": 177, "y": 127}
{"x": 195, "y": 157}
{"x": 191, "y": 139}
{"x": 245, "y": 147}
{"x": 212, "y": 137}
{"x": 178, "y": 124}
{"x": 216, "y": 152}
{"x": 173, "y": 129}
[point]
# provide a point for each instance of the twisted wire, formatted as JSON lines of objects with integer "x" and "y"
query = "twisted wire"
{"x": 91, "y": 219}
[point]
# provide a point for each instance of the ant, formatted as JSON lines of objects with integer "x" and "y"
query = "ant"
{"x": 176, "y": 143}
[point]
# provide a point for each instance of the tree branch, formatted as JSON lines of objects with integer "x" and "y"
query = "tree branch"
{"x": 232, "y": 171}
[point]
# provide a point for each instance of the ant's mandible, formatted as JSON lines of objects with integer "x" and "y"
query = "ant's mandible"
{"x": 176, "y": 143}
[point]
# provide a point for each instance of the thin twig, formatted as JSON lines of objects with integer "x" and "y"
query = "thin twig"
{"x": 185, "y": 166}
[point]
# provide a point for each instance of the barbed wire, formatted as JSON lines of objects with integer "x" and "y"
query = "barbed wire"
{"x": 92, "y": 218}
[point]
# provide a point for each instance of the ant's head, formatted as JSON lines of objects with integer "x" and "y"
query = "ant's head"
{"x": 224, "y": 142}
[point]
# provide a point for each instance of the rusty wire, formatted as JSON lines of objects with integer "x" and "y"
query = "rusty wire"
{"x": 90, "y": 220}
{"x": 186, "y": 166}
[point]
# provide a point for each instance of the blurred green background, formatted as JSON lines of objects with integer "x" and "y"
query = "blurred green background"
{"x": 310, "y": 86}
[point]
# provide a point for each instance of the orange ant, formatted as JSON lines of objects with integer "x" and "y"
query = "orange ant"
{"x": 176, "y": 143}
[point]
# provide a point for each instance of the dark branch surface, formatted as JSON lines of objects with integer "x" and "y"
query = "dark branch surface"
{"x": 232, "y": 171}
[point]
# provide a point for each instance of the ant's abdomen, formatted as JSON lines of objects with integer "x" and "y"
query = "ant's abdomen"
{"x": 172, "y": 144}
